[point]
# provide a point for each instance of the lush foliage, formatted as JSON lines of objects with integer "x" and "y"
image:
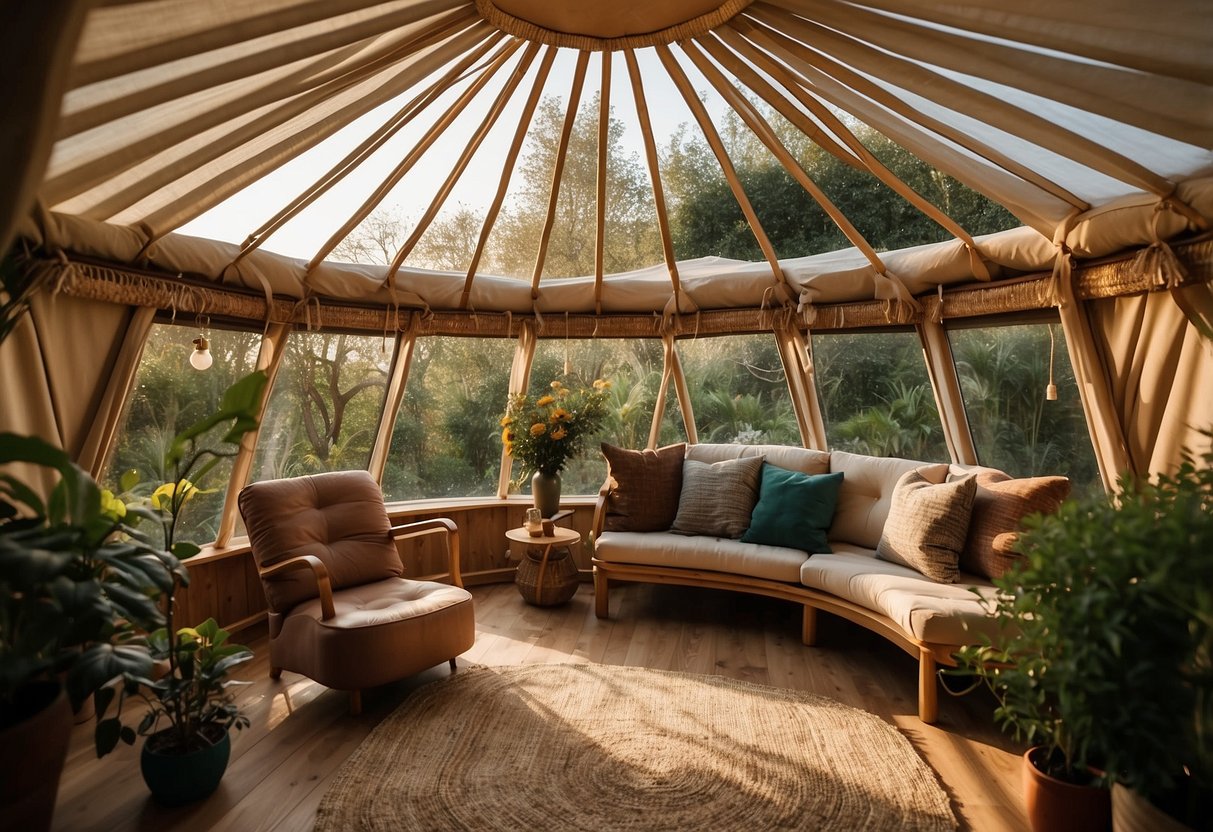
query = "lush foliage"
{"x": 1003, "y": 372}
{"x": 544, "y": 432}
{"x": 77, "y": 581}
{"x": 1107, "y": 633}
{"x": 193, "y": 698}
{"x": 191, "y": 694}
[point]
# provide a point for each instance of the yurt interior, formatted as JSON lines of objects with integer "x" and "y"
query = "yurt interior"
{"x": 647, "y": 415}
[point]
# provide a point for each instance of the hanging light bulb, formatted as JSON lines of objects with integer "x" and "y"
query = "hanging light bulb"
{"x": 200, "y": 358}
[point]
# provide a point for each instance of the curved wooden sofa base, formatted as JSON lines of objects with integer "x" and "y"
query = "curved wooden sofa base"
{"x": 929, "y": 655}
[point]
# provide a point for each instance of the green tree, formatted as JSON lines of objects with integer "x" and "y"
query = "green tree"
{"x": 631, "y": 240}
{"x": 706, "y": 219}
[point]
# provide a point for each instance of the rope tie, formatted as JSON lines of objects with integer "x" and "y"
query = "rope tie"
{"x": 1158, "y": 260}
{"x": 977, "y": 263}
{"x": 898, "y": 302}
{"x": 1063, "y": 264}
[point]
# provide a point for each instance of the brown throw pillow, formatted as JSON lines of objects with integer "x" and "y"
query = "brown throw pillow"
{"x": 999, "y": 507}
{"x": 718, "y": 499}
{"x": 927, "y": 525}
{"x": 645, "y": 489}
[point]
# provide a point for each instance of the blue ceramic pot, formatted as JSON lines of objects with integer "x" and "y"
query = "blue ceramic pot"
{"x": 176, "y": 779}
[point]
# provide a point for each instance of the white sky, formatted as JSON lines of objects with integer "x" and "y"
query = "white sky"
{"x": 233, "y": 219}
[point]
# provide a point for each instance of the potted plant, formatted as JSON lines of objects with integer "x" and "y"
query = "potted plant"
{"x": 75, "y": 593}
{"x": 1105, "y": 654}
{"x": 189, "y": 707}
{"x": 544, "y": 433}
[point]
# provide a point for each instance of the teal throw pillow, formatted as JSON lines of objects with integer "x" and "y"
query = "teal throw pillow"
{"x": 794, "y": 510}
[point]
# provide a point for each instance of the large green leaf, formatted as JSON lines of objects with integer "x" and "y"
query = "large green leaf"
{"x": 100, "y": 664}
{"x": 240, "y": 403}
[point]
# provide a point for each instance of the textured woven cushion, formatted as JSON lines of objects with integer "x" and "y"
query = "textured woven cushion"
{"x": 927, "y": 525}
{"x": 645, "y": 488}
{"x": 794, "y": 509}
{"x": 717, "y": 499}
{"x": 999, "y": 507}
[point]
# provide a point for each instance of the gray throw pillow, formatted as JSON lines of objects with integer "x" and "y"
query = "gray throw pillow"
{"x": 717, "y": 499}
{"x": 927, "y": 525}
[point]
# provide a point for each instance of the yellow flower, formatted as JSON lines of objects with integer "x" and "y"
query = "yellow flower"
{"x": 162, "y": 497}
{"x": 507, "y": 420}
{"x": 539, "y": 429}
{"x": 509, "y": 448}
{"x": 111, "y": 506}
{"x": 561, "y": 415}
{"x": 544, "y": 401}
{"x": 562, "y": 392}
{"x": 556, "y": 385}
{"x": 601, "y": 384}
{"x": 559, "y": 433}
{"x": 507, "y": 436}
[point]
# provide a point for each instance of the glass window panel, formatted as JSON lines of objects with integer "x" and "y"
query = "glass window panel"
{"x": 1003, "y": 375}
{"x": 447, "y": 442}
{"x": 633, "y": 367}
{"x": 168, "y": 396}
{"x": 876, "y": 396}
{"x": 324, "y": 409}
{"x": 738, "y": 390}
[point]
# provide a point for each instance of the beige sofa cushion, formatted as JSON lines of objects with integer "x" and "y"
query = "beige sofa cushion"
{"x": 804, "y": 460}
{"x": 712, "y": 553}
{"x": 928, "y": 611}
{"x": 867, "y": 493}
{"x": 927, "y": 525}
{"x": 717, "y": 499}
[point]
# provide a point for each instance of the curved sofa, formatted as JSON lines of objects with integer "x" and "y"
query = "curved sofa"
{"x": 927, "y": 619}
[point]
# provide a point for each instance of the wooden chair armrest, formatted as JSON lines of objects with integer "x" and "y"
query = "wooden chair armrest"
{"x": 600, "y": 509}
{"x": 437, "y": 525}
{"x": 324, "y": 584}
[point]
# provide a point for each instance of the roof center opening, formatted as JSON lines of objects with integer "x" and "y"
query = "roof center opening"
{"x": 620, "y": 24}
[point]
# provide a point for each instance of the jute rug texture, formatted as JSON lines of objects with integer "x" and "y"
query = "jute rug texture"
{"x": 592, "y": 747}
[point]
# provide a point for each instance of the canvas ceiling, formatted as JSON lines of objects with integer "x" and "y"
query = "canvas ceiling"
{"x": 1090, "y": 121}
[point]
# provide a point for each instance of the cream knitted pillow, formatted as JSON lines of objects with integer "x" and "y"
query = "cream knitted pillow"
{"x": 927, "y": 525}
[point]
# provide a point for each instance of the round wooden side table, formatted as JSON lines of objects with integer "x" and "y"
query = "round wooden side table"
{"x": 547, "y": 574}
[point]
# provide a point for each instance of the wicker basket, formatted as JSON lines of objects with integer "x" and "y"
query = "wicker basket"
{"x": 560, "y": 577}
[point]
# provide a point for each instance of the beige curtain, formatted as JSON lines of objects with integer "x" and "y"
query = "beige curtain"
{"x": 1161, "y": 374}
{"x": 36, "y": 46}
{"x": 57, "y": 367}
{"x": 520, "y": 377}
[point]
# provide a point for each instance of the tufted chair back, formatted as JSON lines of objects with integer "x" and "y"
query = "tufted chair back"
{"x": 339, "y": 517}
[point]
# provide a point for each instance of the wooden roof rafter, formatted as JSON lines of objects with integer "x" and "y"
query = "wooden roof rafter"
{"x": 427, "y": 140}
{"x": 372, "y": 143}
{"x": 782, "y": 288}
{"x": 524, "y": 123}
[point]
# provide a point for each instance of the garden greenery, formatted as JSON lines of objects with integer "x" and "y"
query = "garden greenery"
{"x": 1106, "y": 653}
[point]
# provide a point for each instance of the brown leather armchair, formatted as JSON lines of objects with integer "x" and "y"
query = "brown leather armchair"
{"x": 339, "y": 610}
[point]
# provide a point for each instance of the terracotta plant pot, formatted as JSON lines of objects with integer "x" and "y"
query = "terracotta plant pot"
{"x": 1054, "y": 805}
{"x": 33, "y": 746}
{"x": 176, "y": 779}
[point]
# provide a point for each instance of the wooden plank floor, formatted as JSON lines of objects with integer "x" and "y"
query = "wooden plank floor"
{"x": 302, "y": 732}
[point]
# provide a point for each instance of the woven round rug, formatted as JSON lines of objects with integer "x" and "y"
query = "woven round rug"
{"x": 594, "y": 747}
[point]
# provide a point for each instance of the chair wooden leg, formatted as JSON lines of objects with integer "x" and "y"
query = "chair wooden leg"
{"x": 602, "y": 597}
{"x": 275, "y": 672}
{"x": 454, "y": 666}
{"x": 808, "y": 626}
{"x": 355, "y": 702}
{"x": 928, "y": 693}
